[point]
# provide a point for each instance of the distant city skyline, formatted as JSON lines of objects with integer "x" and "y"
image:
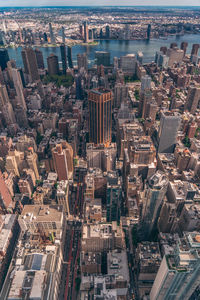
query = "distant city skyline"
{"x": 13, "y": 3}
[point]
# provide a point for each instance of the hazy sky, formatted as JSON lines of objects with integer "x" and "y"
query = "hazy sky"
{"x": 97, "y": 2}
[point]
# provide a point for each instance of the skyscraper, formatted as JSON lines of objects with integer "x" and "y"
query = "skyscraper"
{"x": 102, "y": 58}
{"x": 16, "y": 77}
{"x": 169, "y": 125}
{"x": 69, "y": 56}
{"x": 107, "y": 31}
{"x": 149, "y": 32}
{"x": 52, "y": 63}
{"x": 4, "y": 58}
{"x": 63, "y": 58}
{"x": 63, "y": 160}
{"x": 145, "y": 83}
{"x": 5, "y": 197}
{"x": 82, "y": 61}
{"x": 39, "y": 58}
{"x": 179, "y": 272}
{"x": 30, "y": 63}
{"x": 100, "y": 116}
{"x": 63, "y": 34}
{"x": 86, "y": 35}
{"x": 51, "y": 34}
{"x": 195, "y": 49}
{"x": 184, "y": 47}
{"x": 193, "y": 99}
{"x": 155, "y": 191}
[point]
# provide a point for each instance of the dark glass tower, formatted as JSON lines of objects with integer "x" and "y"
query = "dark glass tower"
{"x": 30, "y": 63}
{"x": 4, "y": 58}
{"x": 69, "y": 56}
{"x": 63, "y": 58}
{"x": 149, "y": 32}
{"x": 100, "y": 116}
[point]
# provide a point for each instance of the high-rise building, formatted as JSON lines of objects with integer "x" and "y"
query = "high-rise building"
{"x": 107, "y": 32}
{"x": 193, "y": 99}
{"x": 63, "y": 160}
{"x": 128, "y": 63}
{"x": 113, "y": 197}
{"x": 184, "y": 47}
{"x": 86, "y": 34}
{"x": 169, "y": 126}
{"x": 63, "y": 58}
{"x": 32, "y": 160}
{"x": 52, "y": 63}
{"x": 69, "y": 56}
{"x": 179, "y": 272}
{"x": 39, "y": 58}
{"x": 30, "y": 63}
{"x": 145, "y": 83}
{"x": 100, "y": 116}
{"x": 82, "y": 61}
{"x": 18, "y": 87}
{"x": 155, "y": 191}
{"x": 4, "y": 58}
{"x": 120, "y": 94}
{"x": 149, "y": 32}
{"x": 102, "y": 58}
{"x": 140, "y": 57}
{"x": 195, "y": 49}
{"x": 63, "y": 34}
{"x": 51, "y": 34}
{"x": 5, "y": 197}
{"x": 6, "y": 106}
{"x": 79, "y": 88}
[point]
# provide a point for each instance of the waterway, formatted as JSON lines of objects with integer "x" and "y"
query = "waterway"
{"x": 115, "y": 47}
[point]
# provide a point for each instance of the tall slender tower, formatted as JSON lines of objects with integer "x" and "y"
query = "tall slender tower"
{"x": 63, "y": 58}
{"x": 4, "y": 58}
{"x": 193, "y": 99}
{"x": 30, "y": 63}
{"x": 69, "y": 56}
{"x": 100, "y": 116}
{"x": 52, "y": 62}
{"x": 51, "y": 34}
{"x": 86, "y": 36}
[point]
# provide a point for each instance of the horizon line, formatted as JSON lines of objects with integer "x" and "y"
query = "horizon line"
{"x": 97, "y": 5}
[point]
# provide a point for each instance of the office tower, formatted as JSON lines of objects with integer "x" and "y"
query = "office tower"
{"x": 90, "y": 34}
{"x": 32, "y": 160}
{"x": 140, "y": 57}
{"x": 169, "y": 126}
{"x": 82, "y": 61}
{"x": 4, "y": 58}
{"x": 184, "y": 47}
{"x": 113, "y": 197}
{"x": 69, "y": 56}
{"x": 145, "y": 83}
{"x": 63, "y": 34}
{"x": 100, "y": 116}
{"x": 63, "y": 160}
{"x": 39, "y": 58}
{"x": 51, "y": 34}
{"x": 179, "y": 272}
{"x": 175, "y": 56}
{"x": 18, "y": 87}
{"x": 128, "y": 63}
{"x": 102, "y": 58}
{"x": 5, "y": 106}
{"x": 149, "y": 32}
{"x": 173, "y": 45}
{"x": 120, "y": 94}
{"x": 193, "y": 99}
{"x": 52, "y": 63}
{"x": 86, "y": 35}
{"x": 127, "y": 32}
{"x": 30, "y": 63}
{"x": 107, "y": 32}
{"x": 63, "y": 58}
{"x": 155, "y": 191}
{"x": 79, "y": 88}
{"x": 45, "y": 37}
{"x": 5, "y": 196}
{"x": 195, "y": 49}
{"x": 81, "y": 31}
{"x": 101, "y": 34}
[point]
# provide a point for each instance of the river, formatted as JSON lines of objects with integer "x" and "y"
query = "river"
{"x": 115, "y": 47}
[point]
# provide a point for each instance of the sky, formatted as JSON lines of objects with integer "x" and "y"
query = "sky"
{"x": 97, "y": 2}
